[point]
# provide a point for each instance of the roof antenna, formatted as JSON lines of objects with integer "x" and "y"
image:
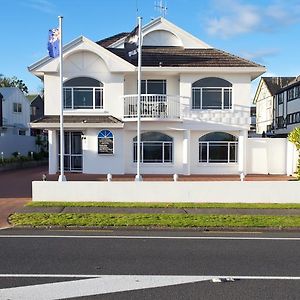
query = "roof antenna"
{"x": 161, "y": 7}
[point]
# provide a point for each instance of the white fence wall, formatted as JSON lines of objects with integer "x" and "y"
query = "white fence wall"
{"x": 221, "y": 191}
{"x": 268, "y": 156}
{"x": 17, "y": 143}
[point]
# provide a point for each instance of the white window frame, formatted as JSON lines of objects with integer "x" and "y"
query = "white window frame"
{"x": 18, "y": 107}
{"x": 208, "y": 143}
{"x": 222, "y": 89}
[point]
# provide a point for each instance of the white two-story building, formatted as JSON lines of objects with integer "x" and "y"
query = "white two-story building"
{"x": 195, "y": 105}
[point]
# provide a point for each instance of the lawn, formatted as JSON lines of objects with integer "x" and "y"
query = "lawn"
{"x": 153, "y": 220}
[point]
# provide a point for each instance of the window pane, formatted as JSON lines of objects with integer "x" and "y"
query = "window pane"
{"x": 152, "y": 152}
{"x": 218, "y": 152}
{"x": 196, "y": 99}
{"x": 67, "y": 142}
{"x": 76, "y": 143}
{"x": 76, "y": 162}
{"x": 211, "y": 98}
{"x": 168, "y": 152}
{"x": 98, "y": 99}
{"x": 202, "y": 152}
{"x": 67, "y": 98}
{"x": 83, "y": 98}
{"x": 233, "y": 152}
{"x": 135, "y": 152}
{"x": 227, "y": 99}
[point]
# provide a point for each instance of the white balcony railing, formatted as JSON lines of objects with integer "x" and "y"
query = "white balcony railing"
{"x": 152, "y": 106}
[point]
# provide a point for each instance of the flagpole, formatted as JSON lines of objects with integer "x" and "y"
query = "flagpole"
{"x": 138, "y": 176}
{"x": 62, "y": 176}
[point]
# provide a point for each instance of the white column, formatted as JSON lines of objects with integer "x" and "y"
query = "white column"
{"x": 53, "y": 154}
{"x": 242, "y": 147}
{"x": 186, "y": 152}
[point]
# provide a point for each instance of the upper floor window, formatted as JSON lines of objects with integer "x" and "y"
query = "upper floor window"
{"x": 293, "y": 93}
{"x": 105, "y": 142}
{"x": 17, "y": 107}
{"x": 218, "y": 147}
{"x": 83, "y": 93}
{"x": 212, "y": 93}
{"x": 280, "y": 98}
{"x": 154, "y": 86}
{"x": 156, "y": 147}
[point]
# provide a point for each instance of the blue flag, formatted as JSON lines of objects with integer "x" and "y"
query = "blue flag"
{"x": 53, "y": 42}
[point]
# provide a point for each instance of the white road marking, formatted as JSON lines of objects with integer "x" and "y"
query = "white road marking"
{"x": 108, "y": 284}
{"x": 50, "y": 275}
{"x": 153, "y": 237}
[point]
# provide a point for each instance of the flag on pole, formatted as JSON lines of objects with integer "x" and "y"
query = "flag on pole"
{"x": 131, "y": 44}
{"x": 53, "y": 42}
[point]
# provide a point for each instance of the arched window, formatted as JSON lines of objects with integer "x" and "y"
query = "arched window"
{"x": 156, "y": 147}
{"x": 212, "y": 93}
{"x": 105, "y": 142}
{"x": 218, "y": 147}
{"x": 83, "y": 93}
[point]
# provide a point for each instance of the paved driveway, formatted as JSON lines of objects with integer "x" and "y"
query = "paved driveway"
{"x": 15, "y": 190}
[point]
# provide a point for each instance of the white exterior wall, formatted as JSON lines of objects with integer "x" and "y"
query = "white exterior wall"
{"x": 238, "y": 116}
{"x": 94, "y": 163}
{"x": 86, "y": 64}
{"x": 208, "y": 168}
{"x": 153, "y": 168}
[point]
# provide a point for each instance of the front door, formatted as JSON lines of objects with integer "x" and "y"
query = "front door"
{"x": 73, "y": 151}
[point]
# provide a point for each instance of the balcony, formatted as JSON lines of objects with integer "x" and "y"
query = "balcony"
{"x": 153, "y": 106}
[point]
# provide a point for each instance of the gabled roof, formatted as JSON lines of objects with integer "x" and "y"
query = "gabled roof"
{"x": 180, "y": 57}
{"x": 274, "y": 84}
{"x": 112, "y": 39}
{"x": 292, "y": 83}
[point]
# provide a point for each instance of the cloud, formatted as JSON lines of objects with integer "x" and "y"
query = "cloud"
{"x": 236, "y": 17}
{"x": 44, "y": 6}
{"x": 259, "y": 55}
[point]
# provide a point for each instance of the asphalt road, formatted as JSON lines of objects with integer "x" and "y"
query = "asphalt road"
{"x": 263, "y": 266}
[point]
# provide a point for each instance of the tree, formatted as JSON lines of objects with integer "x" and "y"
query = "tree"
{"x": 13, "y": 82}
{"x": 294, "y": 137}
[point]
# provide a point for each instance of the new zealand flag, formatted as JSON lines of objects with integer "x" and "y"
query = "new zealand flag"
{"x": 53, "y": 42}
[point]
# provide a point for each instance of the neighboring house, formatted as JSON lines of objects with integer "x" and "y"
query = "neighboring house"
{"x": 287, "y": 108}
{"x": 36, "y": 107}
{"x": 252, "y": 130}
{"x": 36, "y": 111}
{"x": 195, "y": 105}
{"x": 264, "y": 100}
{"x": 14, "y": 125}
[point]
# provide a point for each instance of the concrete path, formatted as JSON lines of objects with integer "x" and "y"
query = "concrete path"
{"x": 129, "y": 210}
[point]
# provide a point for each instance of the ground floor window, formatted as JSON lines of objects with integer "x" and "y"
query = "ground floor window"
{"x": 156, "y": 147}
{"x": 218, "y": 147}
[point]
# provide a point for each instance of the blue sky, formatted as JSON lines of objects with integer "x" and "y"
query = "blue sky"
{"x": 265, "y": 31}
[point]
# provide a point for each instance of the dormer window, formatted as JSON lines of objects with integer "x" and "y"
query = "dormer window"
{"x": 212, "y": 93}
{"x": 83, "y": 93}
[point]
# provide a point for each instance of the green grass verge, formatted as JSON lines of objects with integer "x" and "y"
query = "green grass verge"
{"x": 167, "y": 205}
{"x": 156, "y": 220}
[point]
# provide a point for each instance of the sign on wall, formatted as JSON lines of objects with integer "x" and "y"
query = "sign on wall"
{"x": 105, "y": 142}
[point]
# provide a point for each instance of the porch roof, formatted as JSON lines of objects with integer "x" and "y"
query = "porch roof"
{"x": 80, "y": 121}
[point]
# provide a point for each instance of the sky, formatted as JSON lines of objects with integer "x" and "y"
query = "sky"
{"x": 264, "y": 31}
